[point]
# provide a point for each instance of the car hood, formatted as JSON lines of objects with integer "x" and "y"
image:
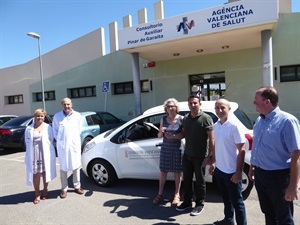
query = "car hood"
{"x": 100, "y": 138}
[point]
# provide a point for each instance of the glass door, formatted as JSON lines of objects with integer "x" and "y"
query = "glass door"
{"x": 209, "y": 87}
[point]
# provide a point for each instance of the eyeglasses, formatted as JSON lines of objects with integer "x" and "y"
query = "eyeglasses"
{"x": 170, "y": 106}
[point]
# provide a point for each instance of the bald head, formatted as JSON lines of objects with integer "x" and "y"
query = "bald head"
{"x": 66, "y": 104}
{"x": 223, "y": 101}
{"x": 222, "y": 108}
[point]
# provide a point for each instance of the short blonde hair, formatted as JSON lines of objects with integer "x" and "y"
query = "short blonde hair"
{"x": 39, "y": 111}
{"x": 171, "y": 100}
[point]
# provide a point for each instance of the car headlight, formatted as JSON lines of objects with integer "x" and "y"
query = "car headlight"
{"x": 89, "y": 146}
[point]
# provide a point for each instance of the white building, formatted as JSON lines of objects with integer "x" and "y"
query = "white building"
{"x": 231, "y": 50}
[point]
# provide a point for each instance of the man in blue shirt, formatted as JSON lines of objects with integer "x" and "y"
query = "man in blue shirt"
{"x": 275, "y": 158}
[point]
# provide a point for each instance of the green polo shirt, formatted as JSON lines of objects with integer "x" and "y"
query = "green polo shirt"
{"x": 195, "y": 131}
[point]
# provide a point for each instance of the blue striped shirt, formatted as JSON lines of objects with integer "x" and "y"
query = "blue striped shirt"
{"x": 275, "y": 137}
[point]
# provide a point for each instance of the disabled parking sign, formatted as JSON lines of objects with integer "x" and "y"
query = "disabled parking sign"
{"x": 105, "y": 86}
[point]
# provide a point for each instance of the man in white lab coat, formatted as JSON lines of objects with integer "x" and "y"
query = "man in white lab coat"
{"x": 66, "y": 130}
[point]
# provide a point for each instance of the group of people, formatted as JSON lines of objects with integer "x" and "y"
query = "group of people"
{"x": 40, "y": 155}
{"x": 275, "y": 158}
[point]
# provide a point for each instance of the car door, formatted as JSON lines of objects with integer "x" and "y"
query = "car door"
{"x": 138, "y": 156}
{"x": 109, "y": 121}
{"x": 90, "y": 126}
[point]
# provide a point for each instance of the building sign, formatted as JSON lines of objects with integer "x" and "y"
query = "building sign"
{"x": 235, "y": 15}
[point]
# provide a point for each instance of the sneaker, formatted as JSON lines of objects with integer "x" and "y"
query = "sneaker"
{"x": 197, "y": 210}
{"x": 224, "y": 222}
{"x": 184, "y": 206}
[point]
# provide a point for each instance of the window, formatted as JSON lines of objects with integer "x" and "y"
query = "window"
{"x": 49, "y": 96}
{"x": 83, "y": 92}
{"x": 15, "y": 99}
{"x": 290, "y": 73}
{"x": 110, "y": 118}
{"x": 127, "y": 87}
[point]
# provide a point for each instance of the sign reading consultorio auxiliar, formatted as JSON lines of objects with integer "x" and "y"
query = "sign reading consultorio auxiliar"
{"x": 229, "y": 16}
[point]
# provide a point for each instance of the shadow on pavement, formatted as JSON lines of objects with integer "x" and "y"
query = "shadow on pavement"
{"x": 8, "y": 151}
{"x": 142, "y": 188}
{"x": 25, "y": 197}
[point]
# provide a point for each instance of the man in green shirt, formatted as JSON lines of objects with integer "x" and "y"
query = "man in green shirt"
{"x": 198, "y": 131}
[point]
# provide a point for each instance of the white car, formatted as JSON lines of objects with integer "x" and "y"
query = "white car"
{"x": 133, "y": 149}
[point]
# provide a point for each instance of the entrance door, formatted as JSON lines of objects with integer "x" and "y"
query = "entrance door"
{"x": 209, "y": 87}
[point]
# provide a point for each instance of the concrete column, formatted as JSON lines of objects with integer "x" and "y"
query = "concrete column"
{"x": 285, "y": 6}
{"x": 159, "y": 10}
{"x": 136, "y": 83}
{"x": 267, "y": 57}
{"x": 113, "y": 34}
{"x": 127, "y": 21}
{"x": 142, "y": 16}
{"x": 102, "y": 40}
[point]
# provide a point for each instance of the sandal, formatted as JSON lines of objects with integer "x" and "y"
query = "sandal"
{"x": 36, "y": 201}
{"x": 157, "y": 199}
{"x": 176, "y": 200}
{"x": 44, "y": 195}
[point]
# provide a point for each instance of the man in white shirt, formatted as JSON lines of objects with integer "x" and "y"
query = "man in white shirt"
{"x": 229, "y": 155}
{"x": 66, "y": 130}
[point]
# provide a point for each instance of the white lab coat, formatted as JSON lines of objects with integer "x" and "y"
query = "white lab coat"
{"x": 48, "y": 153}
{"x": 66, "y": 130}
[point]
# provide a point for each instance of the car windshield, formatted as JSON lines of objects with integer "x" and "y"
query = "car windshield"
{"x": 243, "y": 118}
{"x": 17, "y": 121}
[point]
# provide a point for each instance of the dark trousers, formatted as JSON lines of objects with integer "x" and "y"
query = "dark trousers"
{"x": 232, "y": 197}
{"x": 190, "y": 166}
{"x": 271, "y": 186}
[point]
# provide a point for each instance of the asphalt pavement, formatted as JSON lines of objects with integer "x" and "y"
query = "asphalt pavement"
{"x": 127, "y": 202}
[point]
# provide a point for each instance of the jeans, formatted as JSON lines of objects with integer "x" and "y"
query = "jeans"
{"x": 190, "y": 166}
{"x": 270, "y": 187}
{"x": 232, "y": 197}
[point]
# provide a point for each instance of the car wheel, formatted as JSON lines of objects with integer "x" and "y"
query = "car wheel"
{"x": 85, "y": 141}
{"x": 247, "y": 184}
{"x": 102, "y": 173}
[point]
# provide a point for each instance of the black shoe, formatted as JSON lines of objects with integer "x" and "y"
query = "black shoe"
{"x": 197, "y": 210}
{"x": 224, "y": 222}
{"x": 184, "y": 206}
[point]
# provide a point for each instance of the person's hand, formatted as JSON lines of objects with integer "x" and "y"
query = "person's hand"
{"x": 211, "y": 169}
{"x": 251, "y": 173}
{"x": 236, "y": 177}
{"x": 168, "y": 135}
{"x": 291, "y": 193}
{"x": 209, "y": 160}
{"x": 163, "y": 130}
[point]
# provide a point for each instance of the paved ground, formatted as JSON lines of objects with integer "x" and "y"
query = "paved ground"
{"x": 127, "y": 202}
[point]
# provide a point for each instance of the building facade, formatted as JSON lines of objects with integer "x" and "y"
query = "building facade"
{"x": 229, "y": 50}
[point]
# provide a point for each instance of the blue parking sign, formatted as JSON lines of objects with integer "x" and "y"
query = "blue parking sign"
{"x": 105, "y": 86}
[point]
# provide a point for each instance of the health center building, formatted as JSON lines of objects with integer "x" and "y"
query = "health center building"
{"x": 229, "y": 50}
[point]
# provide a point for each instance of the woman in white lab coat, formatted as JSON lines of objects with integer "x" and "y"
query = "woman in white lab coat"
{"x": 40, "y": 155}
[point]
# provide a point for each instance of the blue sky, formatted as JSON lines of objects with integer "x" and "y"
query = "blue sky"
{"x": 59, "y": 22}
